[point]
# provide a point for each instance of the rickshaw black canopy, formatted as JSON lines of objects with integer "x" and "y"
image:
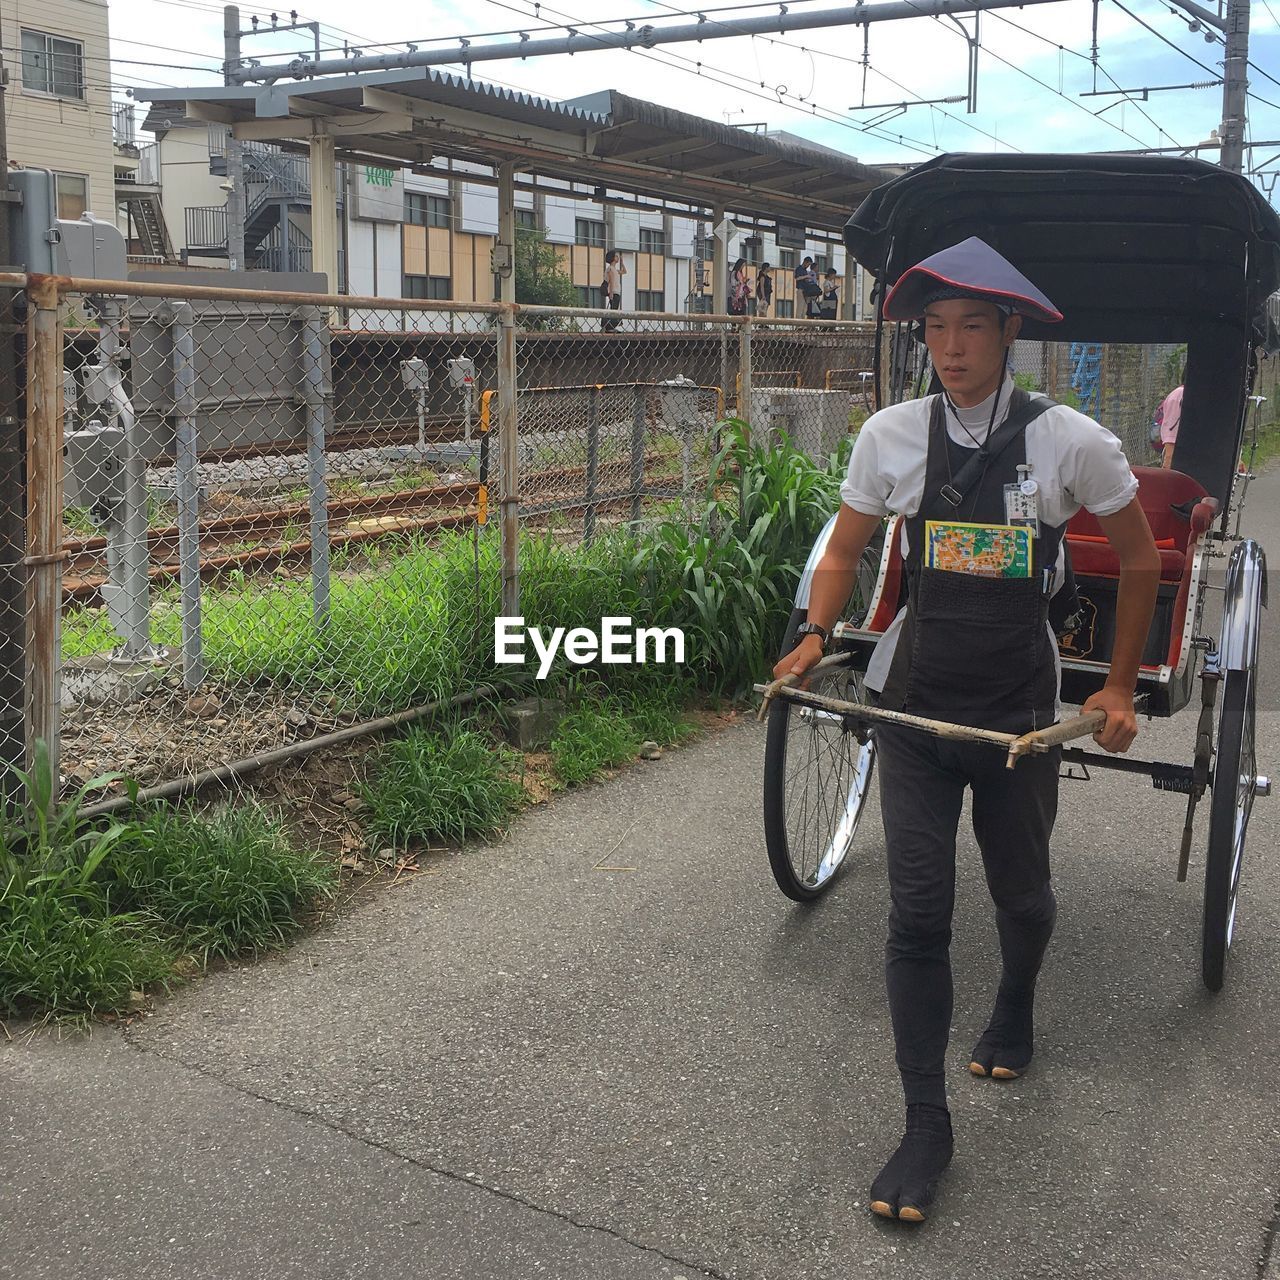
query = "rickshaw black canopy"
{"x": 1131, "y": 249}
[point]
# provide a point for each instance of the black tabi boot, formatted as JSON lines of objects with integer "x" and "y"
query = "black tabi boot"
{"x": 906, "y": 1186}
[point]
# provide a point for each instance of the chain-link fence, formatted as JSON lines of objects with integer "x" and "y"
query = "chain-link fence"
{"x": 1120, "y": 385}
{"x": 279, "y": 516}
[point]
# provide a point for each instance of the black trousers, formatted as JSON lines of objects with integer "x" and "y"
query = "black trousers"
{"x": 922, "y": 783}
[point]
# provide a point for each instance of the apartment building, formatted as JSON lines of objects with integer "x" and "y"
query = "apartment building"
{"x": 59, "y": 98}
{"x": 429, "y": 235}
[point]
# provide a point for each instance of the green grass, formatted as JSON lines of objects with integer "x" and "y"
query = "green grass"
{"x": 445, "y": 784}
{"x": 1268, "y": 445}
{"x": 91, "y": 914}
{"x": 604, "y": 730}
{"x": 229, "y": 884}
{"x": 412, "y": 622}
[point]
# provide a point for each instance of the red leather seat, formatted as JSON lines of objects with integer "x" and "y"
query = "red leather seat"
{"x": 1159, "y": 491}
{"x": 1098, "y": 560}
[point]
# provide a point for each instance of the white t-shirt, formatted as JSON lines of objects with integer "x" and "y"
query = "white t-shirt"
{"x": 1076, "y": 461}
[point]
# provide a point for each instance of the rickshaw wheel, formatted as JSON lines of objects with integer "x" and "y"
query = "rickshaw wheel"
{"x": 817, "y": 776}
{"x": 1234, "y": 782}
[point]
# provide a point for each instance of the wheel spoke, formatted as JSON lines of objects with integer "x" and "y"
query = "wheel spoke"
{"x": 826, "y": 782}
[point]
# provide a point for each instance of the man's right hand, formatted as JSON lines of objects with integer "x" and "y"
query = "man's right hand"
{"x": 800, "y": 659}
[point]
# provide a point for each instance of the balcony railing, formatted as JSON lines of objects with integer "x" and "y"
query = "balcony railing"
{"x": 206, "y": 228}
{"x": 123, "y": 130}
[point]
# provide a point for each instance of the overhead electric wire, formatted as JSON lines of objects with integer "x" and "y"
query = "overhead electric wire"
{"x": 857, "y": 62}
{"x": 703, "y": 70}
{"x": 1204, "y": 66}
{"x": 1084, "y": 57}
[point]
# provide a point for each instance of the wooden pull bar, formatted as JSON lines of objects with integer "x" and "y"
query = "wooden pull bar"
{"x": 1066, "y": 731}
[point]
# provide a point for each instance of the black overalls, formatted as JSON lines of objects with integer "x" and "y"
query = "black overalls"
{"x": 972, "y": 650}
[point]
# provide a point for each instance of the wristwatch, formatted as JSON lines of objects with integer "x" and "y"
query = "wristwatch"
{"x": 813, "y": 629}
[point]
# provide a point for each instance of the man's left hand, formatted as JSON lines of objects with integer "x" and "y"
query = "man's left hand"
{"x": 1122, "y": 722}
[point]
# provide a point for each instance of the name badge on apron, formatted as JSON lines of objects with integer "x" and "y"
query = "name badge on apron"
{"x": 1022, "y": 502}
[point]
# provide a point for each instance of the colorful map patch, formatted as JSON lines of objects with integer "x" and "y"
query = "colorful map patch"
{"x": 988, "y": 550}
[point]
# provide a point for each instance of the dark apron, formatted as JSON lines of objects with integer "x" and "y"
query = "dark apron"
{"x": 974, "y": 650}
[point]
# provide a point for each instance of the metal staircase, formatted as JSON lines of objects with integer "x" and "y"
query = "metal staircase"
{"x": 276, "y": 185}
{"x": 148, "y": 223}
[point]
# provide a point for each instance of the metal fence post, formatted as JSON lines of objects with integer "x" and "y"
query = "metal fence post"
{"x": 637, "y": 451}
{"x": 186, "y": 464}
{"x": 725, "y": 381}
{"x": 44, "y": 520}
{"x": 128, "y": 593}
{"x": 316, "y": 395}
{"x": 744, "y": 372}
{"x": 593, "y": 463}
{"x": 509, "y": 454}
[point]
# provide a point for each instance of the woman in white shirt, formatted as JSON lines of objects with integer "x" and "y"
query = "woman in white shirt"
{"x": 614, "y": 270}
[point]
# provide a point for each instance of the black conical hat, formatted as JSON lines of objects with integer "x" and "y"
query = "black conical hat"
{"x": 970, "y": 269}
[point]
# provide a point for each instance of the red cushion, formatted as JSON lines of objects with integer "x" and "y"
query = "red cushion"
{"x": 1097, "y": 559}
{"x": 1159, "y": 491}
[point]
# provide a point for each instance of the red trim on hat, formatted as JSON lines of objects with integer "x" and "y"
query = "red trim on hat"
{"x": 1051, "y": 314}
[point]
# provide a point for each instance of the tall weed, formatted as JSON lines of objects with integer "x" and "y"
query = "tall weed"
{"x": 731, "y": 580}
{"x": 65, "y": 948}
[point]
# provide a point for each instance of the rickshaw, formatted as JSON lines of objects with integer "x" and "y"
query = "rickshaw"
{"x": 1133, "y": 250}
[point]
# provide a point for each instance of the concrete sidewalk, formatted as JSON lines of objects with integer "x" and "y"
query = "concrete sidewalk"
{"x": 607, "y": 1047}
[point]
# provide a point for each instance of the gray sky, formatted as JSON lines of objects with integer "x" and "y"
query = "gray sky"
{"x": 1034, "y": 65}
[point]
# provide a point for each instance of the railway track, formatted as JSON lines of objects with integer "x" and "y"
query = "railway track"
{"x": 280, "y": 533}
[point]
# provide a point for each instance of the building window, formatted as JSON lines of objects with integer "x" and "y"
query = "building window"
{"x": 786, "y": 259}
{"x": 427, "y": 211}
{"x": 784, "y": 308}
{"x": 651, "y": 240}
{"x": 588, "y": 231}
{"x": 650, "y": 300}
{"x": 752, "y": 247}
{"x": 821, "y": 262}
{"x": 73, "y": 194}
{"x": 526, "y": 220}
{"x": 52, "y": 65}
{"x": 590, "y": 295}
{"x": 437, "y": 288}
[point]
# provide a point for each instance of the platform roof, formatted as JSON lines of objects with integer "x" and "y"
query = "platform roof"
{"x": 605, "y": 140}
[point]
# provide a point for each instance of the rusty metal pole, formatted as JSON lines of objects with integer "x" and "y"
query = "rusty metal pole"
{"x": 44, "y": 519}
{"x": 744, "y": 372}
{"x": 509, "y": 460}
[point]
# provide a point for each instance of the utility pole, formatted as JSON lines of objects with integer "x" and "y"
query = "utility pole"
{"x": 1235, "y": 86}
{"x": 235, "y": 151}
{"x": 1234, "y": 30}
{"x": 13, "y": 587}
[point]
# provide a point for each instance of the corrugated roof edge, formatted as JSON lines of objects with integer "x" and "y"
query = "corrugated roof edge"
{"x": 165, "y": 101}
{"x": 624, "y": 108}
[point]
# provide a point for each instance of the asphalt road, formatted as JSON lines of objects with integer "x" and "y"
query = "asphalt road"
{"x": 607, "y": 1047}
